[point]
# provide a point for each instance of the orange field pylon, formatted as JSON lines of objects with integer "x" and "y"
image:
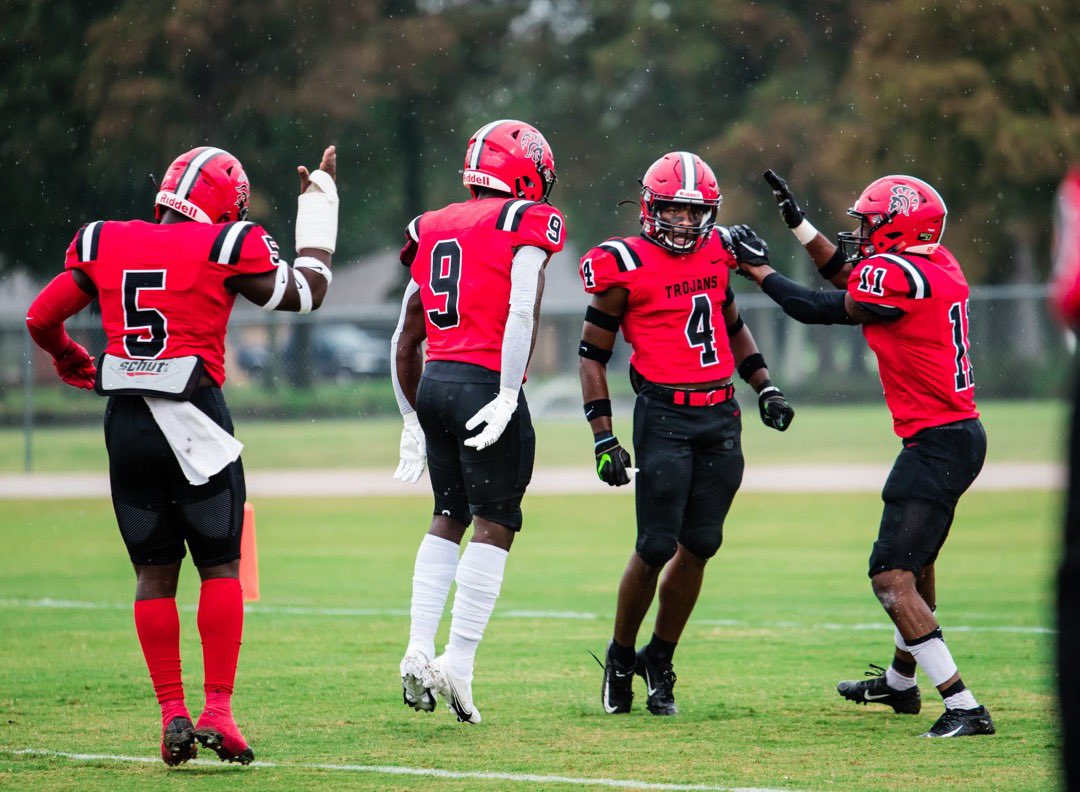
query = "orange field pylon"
{"x": 249, "y": 557}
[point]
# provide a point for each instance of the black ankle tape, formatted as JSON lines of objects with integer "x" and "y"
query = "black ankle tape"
{"x": 956, "y": 687}
{"x": 904, "y": 667}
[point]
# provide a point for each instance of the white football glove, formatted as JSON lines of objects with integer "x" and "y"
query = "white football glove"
{"x": 413, "y": 451}
{"x": 497, "y": 414}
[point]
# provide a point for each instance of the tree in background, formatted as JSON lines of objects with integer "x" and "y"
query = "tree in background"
{"x": 977, "y": 97}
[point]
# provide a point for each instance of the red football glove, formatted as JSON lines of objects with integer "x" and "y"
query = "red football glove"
{"x": 76, "y": 367}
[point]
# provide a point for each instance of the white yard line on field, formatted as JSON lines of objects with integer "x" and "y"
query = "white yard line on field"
{"x": 431, "y": 772}
{"x": 291, "y": 610}
{"x": 338, "y": 483}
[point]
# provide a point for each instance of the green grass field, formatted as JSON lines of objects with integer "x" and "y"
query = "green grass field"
{"x": 786, "y": 612}
{"x": 1018, "y": 431}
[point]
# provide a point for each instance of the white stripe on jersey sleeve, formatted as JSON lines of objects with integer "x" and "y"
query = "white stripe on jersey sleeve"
{"x": 225, "y": 256}
{"x": 921, "y": 286}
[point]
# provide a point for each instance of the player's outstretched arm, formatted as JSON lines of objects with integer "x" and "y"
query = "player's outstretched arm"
{"x": 602, "y": 319}
{"x": 302, "y": 287}
{"x": 776, "y": 412}
{"x": 408, "y": 364}
{"x": 526, "y": 291}
{"x": 826, "y": 256}
{"x": 66, "y": 295}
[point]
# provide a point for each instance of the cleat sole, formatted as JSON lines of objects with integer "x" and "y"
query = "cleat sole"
{"x": 215, "y": 741}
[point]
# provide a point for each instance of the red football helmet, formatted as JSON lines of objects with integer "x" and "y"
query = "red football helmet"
{"x": 206, "y": 184}
{"x": 679, "y": 178}
{"x": 896, "y": 214}
{"x": 511, "y": 157}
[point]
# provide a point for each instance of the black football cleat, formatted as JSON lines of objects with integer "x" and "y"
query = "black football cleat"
{"x": 617, "y": 690}
{"x": 660, "y": 684}
{"x": 877, "y": 691}
{"x": 962, "y": 723}
{"x": 178, "y": 741}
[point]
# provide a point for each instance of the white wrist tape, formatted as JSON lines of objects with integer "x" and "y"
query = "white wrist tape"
{"x": 317, "y": 214}
{"x": 281, "y": 282}
{"x": 307, "y": 262}
{"x": 303, "y": 291}
{"x": 804, "y": 232}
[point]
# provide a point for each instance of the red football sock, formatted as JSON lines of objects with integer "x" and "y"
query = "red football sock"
{"x": 158, "y": 626}
{"x": 221, "y": 625}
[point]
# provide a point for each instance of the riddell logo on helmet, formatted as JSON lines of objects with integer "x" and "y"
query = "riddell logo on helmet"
{"x": 690, "y": 195}
{"x": 170, "y": 201}
{"x": 903, "y": 200}
{"x": 477, "y": 179}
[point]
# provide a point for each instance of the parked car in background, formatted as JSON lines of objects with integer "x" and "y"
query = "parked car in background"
{"x": 338, "y": 351}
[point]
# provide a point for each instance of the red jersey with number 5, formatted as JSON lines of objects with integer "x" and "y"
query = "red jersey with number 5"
{"x": 674, "y": 313}
{"x": 162, "y": 287}
{"x": 922, "y": 356}
{"x": 460, "y": 256}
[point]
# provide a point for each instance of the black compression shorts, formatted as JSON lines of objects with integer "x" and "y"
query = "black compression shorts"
{"x": 935, "y": 467}
{"x": 157, "y": 510}
{"x": 466, "y": 482}
{"x": 690, "y": 464}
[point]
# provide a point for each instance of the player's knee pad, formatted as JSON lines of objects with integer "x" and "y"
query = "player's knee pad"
{"x": 656, "y": 550}
{"x": 704, "y": 541}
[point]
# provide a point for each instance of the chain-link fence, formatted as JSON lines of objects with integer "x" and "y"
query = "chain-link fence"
{"x": 337, "y": 362}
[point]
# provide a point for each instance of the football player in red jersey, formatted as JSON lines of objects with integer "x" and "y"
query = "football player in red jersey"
{"x": 166, "y": 290}
{"x": 477, "y": 276}
{"x": 668, "y": 289}
{"x": 908, "y": 292}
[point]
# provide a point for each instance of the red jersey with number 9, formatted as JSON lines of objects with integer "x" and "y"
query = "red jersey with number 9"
{"x": 674, "y": 313}
{"x": 460, "y": 257}
{"x": 923, "y": 356}
{"x": 162, "y": 287}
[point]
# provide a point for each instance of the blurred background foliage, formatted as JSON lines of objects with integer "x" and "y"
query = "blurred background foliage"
{"x": 978, "y": 97}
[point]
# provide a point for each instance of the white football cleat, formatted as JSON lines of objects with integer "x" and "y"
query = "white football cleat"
{"x": 455, "y": 690}
{"x": 414, "y": 692}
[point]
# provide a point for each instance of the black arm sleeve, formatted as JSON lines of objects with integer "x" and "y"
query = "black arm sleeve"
{"x": 804, "y": 305}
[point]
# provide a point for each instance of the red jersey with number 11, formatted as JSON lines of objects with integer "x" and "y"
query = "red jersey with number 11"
{"x": 460, "y": 257}
{"x": 162, "y": 287}
{"x": 922, "y": 356}
{"x": 674, "y": 312}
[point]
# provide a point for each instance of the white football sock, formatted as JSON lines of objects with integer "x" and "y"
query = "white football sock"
{"x": 962, "y": 700}
{"x": 898, "y": 639}
{"x": 479, "y": 579}
{"x": 436, "y": 562}
{"x": 898, "y": 681}
{"x": 934, "y": 656}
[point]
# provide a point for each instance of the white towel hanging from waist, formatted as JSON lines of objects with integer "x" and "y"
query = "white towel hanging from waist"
{"x": 201, "y": 446}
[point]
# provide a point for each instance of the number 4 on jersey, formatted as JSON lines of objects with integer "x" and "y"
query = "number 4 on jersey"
{"x": 699, "y": 329}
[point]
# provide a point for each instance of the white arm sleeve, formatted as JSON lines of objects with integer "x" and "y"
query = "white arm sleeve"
{"x": 518, "y": 335}
{"x": 403, "y": 404}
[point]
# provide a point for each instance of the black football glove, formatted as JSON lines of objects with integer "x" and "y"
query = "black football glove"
{"x": 776, "y": 413}
{"x": 612, "y": 460}
{"x": 790, "y": 211}
{"x": 748, "y": 247}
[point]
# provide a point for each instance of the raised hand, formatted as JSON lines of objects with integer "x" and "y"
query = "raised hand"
{"x": 790, "y": 210}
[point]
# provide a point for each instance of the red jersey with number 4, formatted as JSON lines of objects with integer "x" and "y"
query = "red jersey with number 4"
{"x": 162, "y": 287}
{"x": 922, "y": 356}
{"x": 460, "y": 256}
{"x": 674, "y": 313}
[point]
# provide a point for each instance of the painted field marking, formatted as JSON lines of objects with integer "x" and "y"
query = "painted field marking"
{"x": 431, "y": 772}
{"x": 288, "y": 610}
